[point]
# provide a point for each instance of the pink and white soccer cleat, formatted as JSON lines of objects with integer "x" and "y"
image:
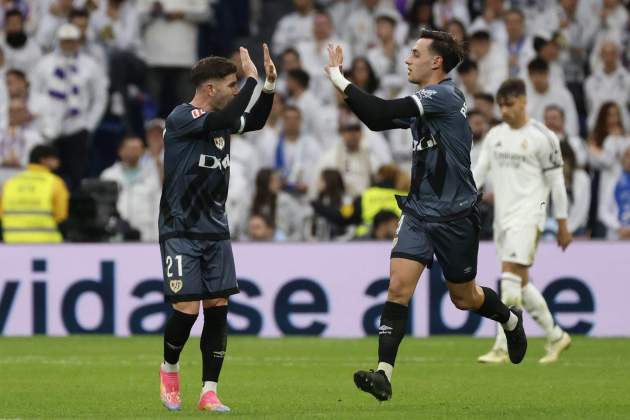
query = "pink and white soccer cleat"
{"x": 209, "y": 401}
{"x": 169, "y": 390}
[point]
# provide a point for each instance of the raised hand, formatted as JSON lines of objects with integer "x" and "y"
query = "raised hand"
{"x": 270, "y": 68}
{"x": 335, "y": 57}
{"x": 249, "y": 69}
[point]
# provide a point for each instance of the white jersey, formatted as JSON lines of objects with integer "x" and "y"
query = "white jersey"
{"x": 518, "y": 162}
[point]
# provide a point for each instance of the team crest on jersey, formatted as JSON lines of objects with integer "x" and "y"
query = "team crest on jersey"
{"x": 427, "y": 93}
{"x": 176, "y": 285}
{"x": 196, "y": 113}
{"x": 524, "y": 144}
{"x": 219, "y": 142}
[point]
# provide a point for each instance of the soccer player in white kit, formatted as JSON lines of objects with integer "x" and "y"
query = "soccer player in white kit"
{"x": 521, "y": 157}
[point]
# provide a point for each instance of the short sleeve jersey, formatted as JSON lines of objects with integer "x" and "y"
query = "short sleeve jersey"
{"x": 196, "y": 177}
{"x": 442, "y": 185}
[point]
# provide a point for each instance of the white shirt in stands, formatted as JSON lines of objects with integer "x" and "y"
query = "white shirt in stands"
{"x": 523, "y": 165}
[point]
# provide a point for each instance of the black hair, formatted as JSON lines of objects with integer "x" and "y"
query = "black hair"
{"x": 81, "y": 13}
{"x": 13, "y": 12}
{"x": 299, "y": 76}
{"x": 467, "y": 66}
{"x": 40, "y": 152}
{"x": 554, "y": 107}
{"x": 538, "y": 65}
{"x": 444, "y": 45}
{"x": 18, "y": 73}
{"x": 480, "y": 36}
{"x": 484, "y": 97}
{"x": 373, "y": 82}
{"x": 212, "y": 67}
{"x": 511, "y": 88}
{"x": 383, "y": 216}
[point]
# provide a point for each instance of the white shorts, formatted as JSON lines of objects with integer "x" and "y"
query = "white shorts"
{"x": 517, "y": 244}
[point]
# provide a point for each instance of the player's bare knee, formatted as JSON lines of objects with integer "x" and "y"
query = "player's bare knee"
{"x": 211, "y": 303}
{"x": 191, "y": 308}
{"x": 399, "y": 291}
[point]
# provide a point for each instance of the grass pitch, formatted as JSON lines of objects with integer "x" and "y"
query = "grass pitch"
{"x": 437, "y": 378}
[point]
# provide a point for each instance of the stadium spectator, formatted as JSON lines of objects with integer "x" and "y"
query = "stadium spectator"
{"x": 492, "y": 22}
{"x": 35, "y": 201}
{"x": 17, "y": 140}
{"x": 554, "y": 120}
{"x": 578, "y": 184}
{"x": 541, "y": 93}
{"x": 479, "y": 127}
{"x": 419, "y": 17}
{"x": 293, "y": 152}
{"x": 262, "y": 229}
{"x": 520, "y": 46}
{"x": 153, "y": 157}
{"x": 609, "y": 83}
{"x": 359, "y": 30}
{"x": 301, "y": 96}
{"x": 484, "y": 103}
{"x": 289, "y": 60}
{"x": 294, "y": 27}
{"x": 383, "y": 228}
{"x": 138, "y": 189}
{"x": 271, "y": 202}
{"x": 89, "y": 46}
{"x": 77, "y": 87}
{"x": 547, "y": 48}
{"x": 385, "y": 57}
{"x": 244, "y": 164}
{"x": 614, "y": 209}
{"x": 116, "y": 24}
{"x": 446, "y": 10}
{"x": 331, "y": 193}
{"x": 21, "y": 51}
{"x": 267, "y": 137}
{"x": 56, "y": 14}
{"x": 491, "y": 59}
{"x": 314, "y": 55}
{"x": 456, "y": 28}
{"x": 170, "y": 42}
{"x": 363, "y": 75}
{"x": 468, "y": 72}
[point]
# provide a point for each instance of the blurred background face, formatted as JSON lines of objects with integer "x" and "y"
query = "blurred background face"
{"x": 384, "y": 29}
{"x": 554, "y": 120}
{"x": 18, "y": 113}
{"x": 259, "y": 230}
{"x": 131, "y": 151}
{"x": 456, "y": 30}
{"x": 478, "y": 125}
{"x": 290, "y": 61}
{"x": 351, "y": 136}
{"x": 625, "y": 160}
{"x": 386, "y": 230}
{"x": 610, "y": 55}
{"x": 16, "y": 86}
{"x": 303, "y": 5}
{"x": 155, "y": 142}
{"x": 69, "y": 47}
{"x": 540, "y": 81}
{"x": 569, "y": 5}
{"x": 322, "y": 27}
{"x": 485, "y": 107}
{"x": 51, "y": 162}
{"x": 14, "y": 24}
{"x": 360, "y": 72}
{"x": 479, "y": 48}
{"x": 512, "y": 109}
{"x": 613, "y": 117}
{"x": 275, "y": 183}
{"x": 495, "y": 5}
{"x": 514, "y": 26}
{"x": 292, "y": 122}
{"x": 469, "y": 79}
{"x": 550, "y": 51}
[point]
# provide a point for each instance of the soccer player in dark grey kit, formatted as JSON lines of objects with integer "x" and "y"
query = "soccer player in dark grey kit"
{"x": 195, "y": 245}
{"x": 440, "y": 213}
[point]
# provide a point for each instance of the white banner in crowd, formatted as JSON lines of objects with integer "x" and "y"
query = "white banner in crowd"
{"x": 332, "y": 290}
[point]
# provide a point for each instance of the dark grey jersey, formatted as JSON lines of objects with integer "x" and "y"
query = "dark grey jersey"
{"x": 196, "y": 177}
{"x": 442, "y": 185}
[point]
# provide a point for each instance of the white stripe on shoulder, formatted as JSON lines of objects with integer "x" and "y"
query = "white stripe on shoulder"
{"x": 418, "y": 103}
{"x": 242, "y": 127}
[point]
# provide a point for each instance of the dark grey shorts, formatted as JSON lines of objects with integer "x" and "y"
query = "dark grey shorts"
{"x": 197, "y": 269}
{"x": 454, "y": 243}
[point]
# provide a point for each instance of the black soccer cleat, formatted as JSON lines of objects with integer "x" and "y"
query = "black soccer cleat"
{"x": 516, "y": 339}
{"x": 376, "y": 383}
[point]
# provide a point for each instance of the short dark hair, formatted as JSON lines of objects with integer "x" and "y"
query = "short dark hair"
{"x": 383, "y": 216}
{"x": 480, "y": 36}
{"x": 17, "y": 72}
{"x": 538, "y": 65}
{"x": 467, "y": 66}
{"x": 81, "y": 13}
{"x": 511, "y": 88}
{"x": 212, "y": 67}
{"x": 13, "y": 12}
{"x": 473, "y": 112}
{"x": 40, "y": 152}
{"x": 484, "y": 96}
{"x": 515, "y": 11}
{"x": 554, "y": 107}
{"x": 299, "y": 76}
{"x": 444, "y": 45}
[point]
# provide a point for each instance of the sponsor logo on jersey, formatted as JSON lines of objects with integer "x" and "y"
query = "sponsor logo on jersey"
{"x": 176, "y": 285}
{"x": 196, "y": 113}
{"x": 213, "y": 162}
{"x": 219, "y": 142}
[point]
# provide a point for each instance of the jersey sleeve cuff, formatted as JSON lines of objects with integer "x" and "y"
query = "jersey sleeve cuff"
{"x": 418, "y": 104}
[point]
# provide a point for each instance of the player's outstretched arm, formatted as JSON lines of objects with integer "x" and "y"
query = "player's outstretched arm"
{"x": 259, "y": 113}
{"x": 226, "y": 117}
{"x": 377, "y": 113}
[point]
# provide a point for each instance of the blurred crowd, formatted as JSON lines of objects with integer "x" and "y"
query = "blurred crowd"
{"x": 90, "y": 83}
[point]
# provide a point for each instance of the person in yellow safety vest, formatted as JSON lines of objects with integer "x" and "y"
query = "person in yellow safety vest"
{"x": 35, "y": 201}
{"x": 388, "y": 182}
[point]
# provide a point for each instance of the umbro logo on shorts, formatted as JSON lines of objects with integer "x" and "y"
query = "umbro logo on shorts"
{"x": 384, "y": 329}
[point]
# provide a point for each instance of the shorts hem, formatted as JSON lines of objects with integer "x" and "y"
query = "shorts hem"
{"x": 201, "y": 296}
{"x": 412, "y": 257}
{"x": 461, "y": 280}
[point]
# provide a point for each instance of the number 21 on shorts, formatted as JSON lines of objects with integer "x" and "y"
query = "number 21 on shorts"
{"x": 169, "y": 265}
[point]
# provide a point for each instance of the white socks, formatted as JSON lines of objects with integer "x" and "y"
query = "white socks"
{"x": 167, "y": 367}
{"x": 534, "y": 303}
{"x": 209, "y": 386}
{"x": 387, "y": 368}
{"x": 511, "y": 289}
